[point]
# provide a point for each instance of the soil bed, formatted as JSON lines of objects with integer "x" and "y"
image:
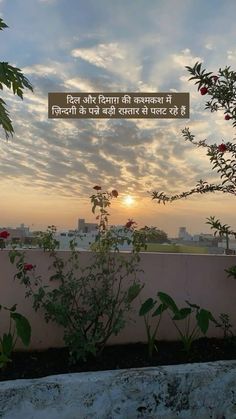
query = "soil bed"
{"x": 55, "y": 361}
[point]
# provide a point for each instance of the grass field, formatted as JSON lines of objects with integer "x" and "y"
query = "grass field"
{"x": 174, "y": 248}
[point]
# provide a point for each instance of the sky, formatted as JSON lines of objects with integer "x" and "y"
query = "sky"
{"x": 49, "y": 167}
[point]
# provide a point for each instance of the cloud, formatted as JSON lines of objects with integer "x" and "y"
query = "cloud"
{"x": 103, "y": 55}
{"x": 184, "y": 58}
{"x": 40, "y": 70}
{"x": 231, "y": 55}
{"x": 117, "y": 58}
{"x": 47, "y": 1}
{"x": 210, "y": 46}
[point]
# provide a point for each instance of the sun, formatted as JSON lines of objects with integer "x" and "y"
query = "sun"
{"x": 128, "y": 200}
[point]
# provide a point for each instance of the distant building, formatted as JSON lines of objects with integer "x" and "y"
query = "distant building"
{"x": 18, "y": 233}
{"x": 205, "y": 237}
{"x": 82, "y": 241}
{"x": 184, "y": 235}
{"x": 84, "y": 227}
{"x": 21, "y": 236}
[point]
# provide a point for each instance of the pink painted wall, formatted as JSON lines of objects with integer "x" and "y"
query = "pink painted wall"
{"x": 199, "y": 278}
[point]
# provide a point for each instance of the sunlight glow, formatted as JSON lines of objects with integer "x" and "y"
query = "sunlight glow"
{"x": 128, "y": 200}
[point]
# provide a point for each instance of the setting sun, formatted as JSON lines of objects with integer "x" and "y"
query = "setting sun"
{"x": 128, "y": 200}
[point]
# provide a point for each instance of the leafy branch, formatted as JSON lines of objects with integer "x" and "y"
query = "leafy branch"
{"x": 12, "y": 78}
{"x": 222, "y": 91}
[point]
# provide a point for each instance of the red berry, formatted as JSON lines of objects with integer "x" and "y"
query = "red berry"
{"x": 227, "y": 117}
{"x": 203, "y": 90}
{"x": 215, "y": 78}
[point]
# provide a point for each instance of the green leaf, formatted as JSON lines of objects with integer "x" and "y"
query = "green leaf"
{"x": 159, "y": 310}
{"x": 4, "y": 360}
{"x": 23, "y": 327}
{"x": 13, "y": 308}
{"x": 166, "y": 299}
{"x": 2, "y": 25}
{"x": 182, "y": 313}
{"x": 133, "y": 291}
{"x": 203, "y": 317}
{"x": 7, "y": 344}
{"x": 192, "y": 305}
{"x": 147, "y": 306}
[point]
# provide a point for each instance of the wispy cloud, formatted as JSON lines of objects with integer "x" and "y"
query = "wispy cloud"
{"x": 104, "y": 46}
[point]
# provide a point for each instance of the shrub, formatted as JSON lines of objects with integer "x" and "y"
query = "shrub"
{"x": 90, "y": 303}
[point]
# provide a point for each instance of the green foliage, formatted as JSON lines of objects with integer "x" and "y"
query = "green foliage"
{"x": 155, "y": 235}
{"x": 13, "y": 79}
{"x": 221, "y": 229}
{"x": 2, "y": 24}
{"x": 221, "y": 89}
{"x": 19, "y": 327}
{"x": 145, "y": 311}
{"x": 231, "y": 272}
{"x": 90, "y": 303}
{"x": 47, "y": 241}
{"x": 225, "y": 325}
{"x": 189, "y": 332}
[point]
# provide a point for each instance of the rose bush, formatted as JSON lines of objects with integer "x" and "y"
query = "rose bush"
{"x": 221, "y": 89}
{"x": 90, "y": 303}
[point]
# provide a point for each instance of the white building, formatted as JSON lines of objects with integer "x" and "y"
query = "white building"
{"x": 183, "y": 234}
{"x": 84, "y": 240}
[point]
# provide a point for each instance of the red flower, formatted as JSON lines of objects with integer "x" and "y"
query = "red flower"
{"x": 222, "y": 148}
{"x": 28, "y": 267}
{"x": 203, "y": 90}
{"x": 227, "y": 117}
{"x": 114, "y": 193}
{"x": 129, "y": 223}
{"x": 4, "y": 234}
{"x": 97, "y": 188}
{"x": 215, "y": 78}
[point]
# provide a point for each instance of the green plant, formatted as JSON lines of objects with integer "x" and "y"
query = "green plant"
{"x": 12, "y": 78}
{"x": 19, "y": 327}
{"x": 47, "y": 241}
{"x": 221, "y": 89}
{"x": 144, "y": 311}
{"x": 90, "y": 302}
{"x": 220, "y": 229}
{"x": 190, "y": 331}
{"x": 225, "y": 325}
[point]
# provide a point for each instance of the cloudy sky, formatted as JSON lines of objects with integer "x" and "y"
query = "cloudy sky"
{"x": 48, "y": 169}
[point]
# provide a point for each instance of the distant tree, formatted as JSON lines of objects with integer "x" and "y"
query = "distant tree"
{"x": 13, "y": 79}
{"x": 155, "y": 235}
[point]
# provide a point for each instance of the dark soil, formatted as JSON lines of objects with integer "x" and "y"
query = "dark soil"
{"x": 56, "y": 361}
